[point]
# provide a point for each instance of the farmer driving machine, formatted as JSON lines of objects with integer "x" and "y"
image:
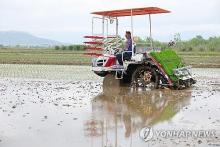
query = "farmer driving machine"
{"x": 149, "y": 67}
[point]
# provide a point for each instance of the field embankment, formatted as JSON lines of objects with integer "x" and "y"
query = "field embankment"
{"x": 67, "y": 57}
{"x": 43, "y": 56}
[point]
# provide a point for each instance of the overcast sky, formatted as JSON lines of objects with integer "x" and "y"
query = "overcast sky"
{"x": 69, "y": 20}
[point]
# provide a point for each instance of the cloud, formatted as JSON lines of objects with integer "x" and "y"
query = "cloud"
{"x": 55, "y": 18}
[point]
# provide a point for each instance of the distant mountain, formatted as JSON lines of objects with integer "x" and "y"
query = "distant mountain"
{"x": 13, "y": 38}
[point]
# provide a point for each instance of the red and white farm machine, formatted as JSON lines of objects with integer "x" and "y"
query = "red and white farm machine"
{"x": 147, "y": 67}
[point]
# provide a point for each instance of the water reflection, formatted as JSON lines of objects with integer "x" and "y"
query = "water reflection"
{"x": 120, "y": 112}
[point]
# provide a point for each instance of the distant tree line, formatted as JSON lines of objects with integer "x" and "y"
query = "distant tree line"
{"x": 197, "y": 43}
{"x": 70, "y": 47}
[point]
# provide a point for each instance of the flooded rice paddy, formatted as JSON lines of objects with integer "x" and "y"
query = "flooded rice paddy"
{"x": 69, "y": 106}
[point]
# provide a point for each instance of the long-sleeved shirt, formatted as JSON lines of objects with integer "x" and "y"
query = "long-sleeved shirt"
{"x": 128, "y": 45}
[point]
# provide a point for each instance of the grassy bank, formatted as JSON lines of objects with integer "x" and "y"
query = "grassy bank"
{"x": 43, "y": 56}
{"x": 67, "y": 57}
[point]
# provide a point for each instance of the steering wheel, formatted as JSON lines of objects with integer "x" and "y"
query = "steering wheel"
{"x": 117, "y": 51}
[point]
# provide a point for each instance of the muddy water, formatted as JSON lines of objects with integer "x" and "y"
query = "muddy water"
{"x": 47, "y": 105}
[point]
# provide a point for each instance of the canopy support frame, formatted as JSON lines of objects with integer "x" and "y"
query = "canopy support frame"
{"x": 150, "y": 29}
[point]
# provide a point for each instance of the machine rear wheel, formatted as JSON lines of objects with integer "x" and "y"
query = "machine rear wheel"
{"x": 145, "y": 76}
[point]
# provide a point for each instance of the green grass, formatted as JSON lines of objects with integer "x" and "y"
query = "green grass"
{"x": 199, "y": 53}
{"x": 201, "y": 59}
{"x": 67, "y": 57}
{"x": 42, "y": 56}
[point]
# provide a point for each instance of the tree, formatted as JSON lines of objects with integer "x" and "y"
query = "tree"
{"x": 178, "y": 41}
{"x": 78, "y": 47}
{"x": 57, "y": 47}
{"x": 199, "y": 37}
{"x": 63, "y": 47}
{"x": 177, "y": 37}
{"x": 70, "y": 47}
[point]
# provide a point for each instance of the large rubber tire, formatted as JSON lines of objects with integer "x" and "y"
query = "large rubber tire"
{"x": 139, "y": 77}
{"x": 126, "y": 79}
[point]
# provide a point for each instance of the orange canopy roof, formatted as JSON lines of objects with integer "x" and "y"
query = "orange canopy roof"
{"x": 133, "y": 11}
